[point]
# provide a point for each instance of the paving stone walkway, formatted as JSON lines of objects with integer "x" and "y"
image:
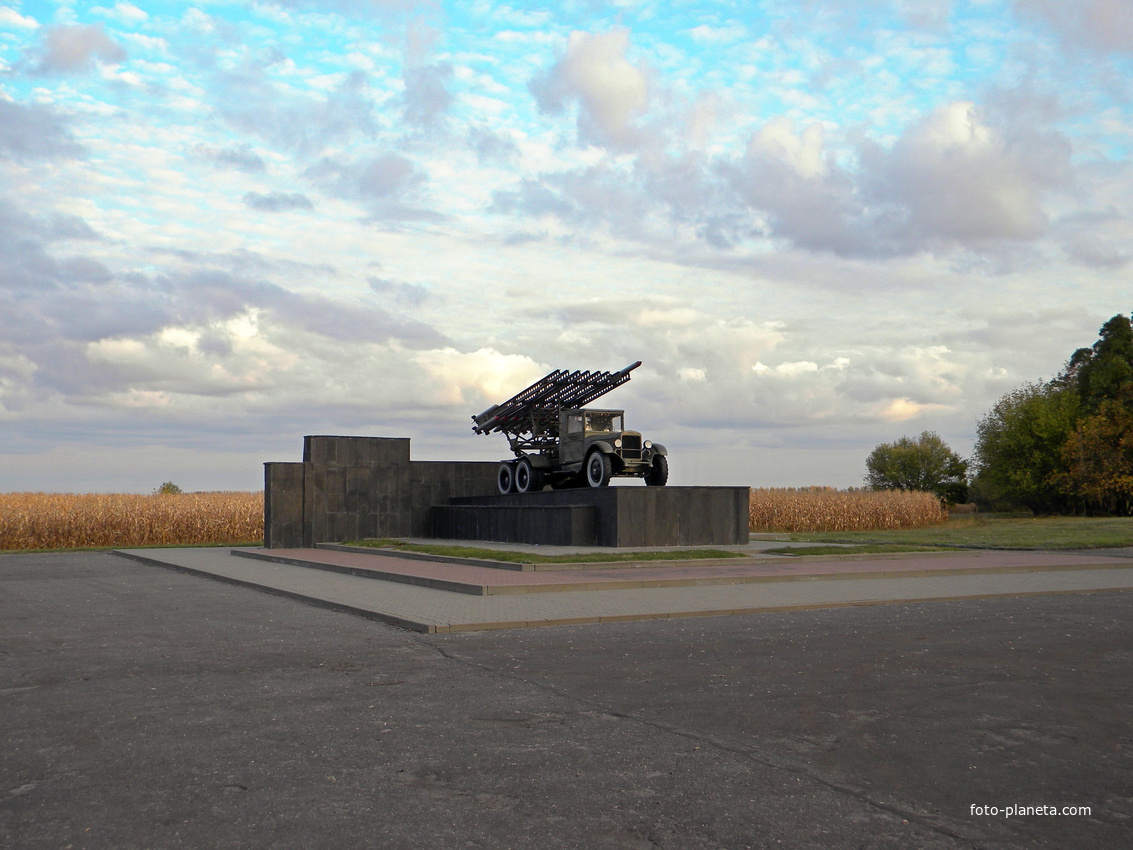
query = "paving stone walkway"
{"x": 443, "y": 597}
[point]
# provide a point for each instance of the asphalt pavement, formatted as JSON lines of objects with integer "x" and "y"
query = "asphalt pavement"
{"x": 147, "y": 708}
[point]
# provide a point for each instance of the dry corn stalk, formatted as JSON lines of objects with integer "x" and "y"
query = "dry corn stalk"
{"x": 827, "y": 509}
{"x": 79, "y": 520}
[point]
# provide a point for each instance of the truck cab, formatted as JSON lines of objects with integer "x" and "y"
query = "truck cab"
{"x": 594, "y": 446}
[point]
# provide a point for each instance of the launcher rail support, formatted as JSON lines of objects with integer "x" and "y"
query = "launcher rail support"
{"x": 535, "y": 410}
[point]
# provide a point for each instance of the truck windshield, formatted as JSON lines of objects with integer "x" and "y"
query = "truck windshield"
{"x": 603, "y": 422}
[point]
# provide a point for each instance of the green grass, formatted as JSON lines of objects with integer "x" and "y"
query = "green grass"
{"x": 999, "y": 532}
{"x": 529, "y": 558}
{"x": 862, "y": 549}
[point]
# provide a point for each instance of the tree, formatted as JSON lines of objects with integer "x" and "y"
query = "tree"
{"x": 925, "y": 463}
{"x": 168, "y": 488}
{"x": 1105, "y": 371}
{"x": 1098, "y": 458}
{"x": 1019, "y": 446}
{"x": 1066, "y": 445}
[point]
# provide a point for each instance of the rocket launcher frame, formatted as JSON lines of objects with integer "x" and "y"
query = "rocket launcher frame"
{"x": 535, "y": 410}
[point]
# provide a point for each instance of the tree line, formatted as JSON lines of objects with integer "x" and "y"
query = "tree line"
{"x": 1063, "y": 446}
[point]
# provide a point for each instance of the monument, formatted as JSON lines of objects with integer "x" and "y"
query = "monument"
{"x": 554, "y": 492}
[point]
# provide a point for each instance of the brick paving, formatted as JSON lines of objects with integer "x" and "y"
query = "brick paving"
{"x": 485, "y": 598}
{"x": 485, "y": 581}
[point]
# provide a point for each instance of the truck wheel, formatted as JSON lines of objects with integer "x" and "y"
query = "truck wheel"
{"x": 528, "y": 479}
{"x": 505, "y": 477}
{"x": 598, "y": 469}
{"x": 658, "y": 474}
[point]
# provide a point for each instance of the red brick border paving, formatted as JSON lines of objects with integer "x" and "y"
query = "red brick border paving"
{"x": 478, "y": 580}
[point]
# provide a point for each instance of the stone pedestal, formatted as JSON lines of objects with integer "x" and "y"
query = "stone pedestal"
{"x": 606, "y": 516}
{"x": 349, "y": 488}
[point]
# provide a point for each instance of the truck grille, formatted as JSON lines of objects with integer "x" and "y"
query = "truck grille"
{"x": 631, "y": 446}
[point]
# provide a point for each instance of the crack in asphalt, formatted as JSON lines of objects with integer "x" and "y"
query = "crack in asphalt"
{"x": 722, "y": 745}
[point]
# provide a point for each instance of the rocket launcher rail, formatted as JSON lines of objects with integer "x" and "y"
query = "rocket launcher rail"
{"x": 536, "y": 408}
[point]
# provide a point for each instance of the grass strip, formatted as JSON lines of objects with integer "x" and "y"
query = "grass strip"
{"x": 863, "y": 549}
{"x": 992, "y": 532}
{"x": 511, "y": 557}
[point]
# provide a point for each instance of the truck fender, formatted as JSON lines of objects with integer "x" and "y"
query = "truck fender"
{"x": 658, "y": 449}
{"x": 539, "y": 461}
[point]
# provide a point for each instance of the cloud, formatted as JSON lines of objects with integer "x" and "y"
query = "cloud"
{"x": 1103, "y": 25}
{"x": 12, "y": 19}
{"x": 126, "y": 13}
{"x": 32, "y": 132}
{"x": 239, "y": 157}
{"x": 24, "y": 242}
{"x": 76, "y": 49}
{"x": 484, "y": 376}
{"x": 274, "y": 202}
{"x": 807, "y": 197}
{"x": 611, "y": 91}
{"x": 951, "y": 180}
{"x": 382, "y": 183}
{"x": 492, "y": 147}
{"x": 427, "y": 97}
{"x": 956, "y": 178}
{"x": 363, "y": 8}
{"x": 303, "y": 122}
{"x": 409, "y": 294}
{"x": 380, "y": 177}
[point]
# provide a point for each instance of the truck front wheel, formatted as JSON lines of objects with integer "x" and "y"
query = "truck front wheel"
{"x": 658, "y": 474}
{"x": 598, "y": 469}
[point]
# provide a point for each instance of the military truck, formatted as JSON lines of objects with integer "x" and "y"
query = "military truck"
{"x": 559, "y": 442}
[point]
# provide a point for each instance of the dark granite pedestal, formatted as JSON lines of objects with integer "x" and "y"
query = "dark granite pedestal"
{"x": 607, "y": 516}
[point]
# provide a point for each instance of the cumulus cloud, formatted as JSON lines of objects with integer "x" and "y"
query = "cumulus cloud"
{"x": 1105, "y": 25}
{"x": 408, "y": 294}
{"x": 238, "y": 157}
{"x": 302, "y": 122}
{"x": 76, "y": 49}
{"x": 793, "y": 179}
{"x": 427, "y": 97}
{"x": 364, "y": 8}
{"x": 380, "y": 178}
{"x": 32, "y": 131}
{"x": 612, "y": 93}
{"x": 127, "y": 13}
{"x": 952, "y": 180}
{"x": 492, "y": 147}
{"x": 960, "y": 180}
{"x": 14, "y": 20}
{"x": 275, "y": 202}
{"x": 484, "y": 376}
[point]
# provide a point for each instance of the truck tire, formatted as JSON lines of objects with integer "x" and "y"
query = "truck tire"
{"x": 658, "y": 474}
{"x": 505, "y": 477}
{"x": 598, "y": 469}
{"x": 528, "y": 479}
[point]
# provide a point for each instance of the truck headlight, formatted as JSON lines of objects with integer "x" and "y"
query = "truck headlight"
{"x": 618, "y": 443}
{"x": 648, "y": 444}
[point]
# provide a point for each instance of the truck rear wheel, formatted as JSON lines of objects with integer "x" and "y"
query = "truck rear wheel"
{"x": 598, "y": 469}
{"x": 528, "y": 479}
{"x": 505, "y": 477}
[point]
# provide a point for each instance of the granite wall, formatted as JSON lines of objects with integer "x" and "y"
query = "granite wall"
{"x": 348, "y": 488}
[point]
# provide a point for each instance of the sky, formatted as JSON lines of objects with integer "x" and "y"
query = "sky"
{"x": 820, "y": 224}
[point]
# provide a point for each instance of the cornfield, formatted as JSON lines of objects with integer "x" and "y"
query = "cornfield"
{"x": 827, "y": 509}
{"x": 79, "y": 520}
